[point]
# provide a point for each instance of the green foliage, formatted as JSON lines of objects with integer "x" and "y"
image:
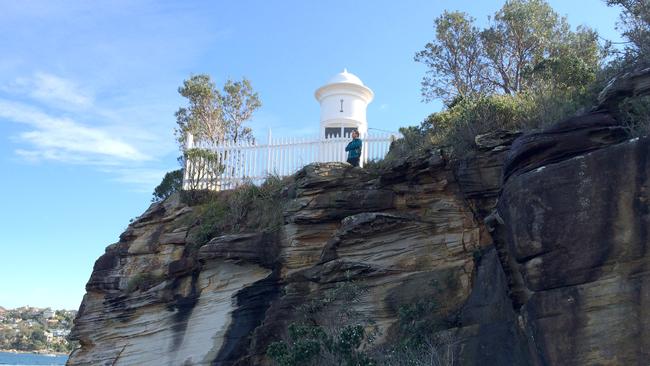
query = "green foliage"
{"x": 634, "y": 23}
{"x": 205, "y": 165}
{"x": 635, "y": 26}
{"x": 306, "y": 343}
{"x": 422, "y": 339}
{"x": 212, "y": 115}
{"x": 454, "y": 59}
{"x": 414, "y": 140}
{"x": 246, "y": 208}
{"x": 172, "y": 182}
{"x": 38, "y": 336}
{"x": 203, "y": 117}
{"x": 143, "y": 281}
{"x": 528, "y": 46}
{"x": 416, "y": 321}
{"x": 457, "y": 126}
{"x": 26, "y": 329}
{"x": 238, "y": 102}
{"x": 635, "y": 114}
{"x": 525, "y": 70}
{"x": 329, "y": 331}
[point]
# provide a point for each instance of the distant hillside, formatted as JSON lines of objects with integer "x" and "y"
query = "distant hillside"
{"x": 31, "y": 329}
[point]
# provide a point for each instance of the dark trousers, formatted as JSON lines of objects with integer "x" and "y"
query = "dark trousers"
{"x": 353, "y": 161}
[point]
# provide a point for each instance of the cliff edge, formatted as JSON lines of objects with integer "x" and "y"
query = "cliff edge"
{"x": 534, "y": 252}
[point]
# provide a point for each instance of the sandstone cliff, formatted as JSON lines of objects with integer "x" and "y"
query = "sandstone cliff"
{"x": 537, "y": 249}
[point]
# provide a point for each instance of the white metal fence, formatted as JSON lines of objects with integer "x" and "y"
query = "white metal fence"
{"x": 234, "y": 163}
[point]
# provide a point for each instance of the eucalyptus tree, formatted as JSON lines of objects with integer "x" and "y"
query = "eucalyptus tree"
{"x": 455, "y": 62}
{"x": 526, "y": 45}
{"x": 212, "y": 115}
{"x": 635, "y": 26}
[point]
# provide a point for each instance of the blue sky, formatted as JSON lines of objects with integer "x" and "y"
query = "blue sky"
{"x": 88, "y": 92}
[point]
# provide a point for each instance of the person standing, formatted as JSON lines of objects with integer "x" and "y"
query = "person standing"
{"x": 354, "y": 149}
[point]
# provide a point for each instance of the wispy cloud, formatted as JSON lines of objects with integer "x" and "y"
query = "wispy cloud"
{"x": 53, "y": 90}
{"x": 63, "y": 139}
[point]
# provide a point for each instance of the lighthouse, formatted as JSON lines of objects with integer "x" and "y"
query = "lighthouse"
{"x": 343, "y": 104}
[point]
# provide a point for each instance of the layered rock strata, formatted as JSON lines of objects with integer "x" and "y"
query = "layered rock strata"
{"x": 535, "y": 253}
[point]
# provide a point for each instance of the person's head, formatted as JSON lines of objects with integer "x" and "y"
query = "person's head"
{"x": 355, "y": 134}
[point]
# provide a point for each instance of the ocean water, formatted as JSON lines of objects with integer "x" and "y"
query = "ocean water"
{"x": 29, "y": 359}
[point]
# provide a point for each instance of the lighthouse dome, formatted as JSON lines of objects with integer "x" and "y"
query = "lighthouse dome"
{"x": 345, "y": 77}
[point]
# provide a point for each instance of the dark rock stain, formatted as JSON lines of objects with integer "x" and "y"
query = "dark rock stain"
{"x": 252, "y": 304}
{"x": 183, "y": 307}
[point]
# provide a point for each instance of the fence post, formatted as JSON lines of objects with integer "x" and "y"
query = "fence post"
{"x": 189, "y": 144}
{"x": 268, "y": 157}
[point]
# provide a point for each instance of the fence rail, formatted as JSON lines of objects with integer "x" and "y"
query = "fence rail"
{"x": 226, "y": 164}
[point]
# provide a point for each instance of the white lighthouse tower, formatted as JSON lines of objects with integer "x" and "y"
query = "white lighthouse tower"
{"x": 343, "y": 103}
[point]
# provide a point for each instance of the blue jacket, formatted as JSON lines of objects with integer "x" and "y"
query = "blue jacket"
{"x": 354, "y": 148}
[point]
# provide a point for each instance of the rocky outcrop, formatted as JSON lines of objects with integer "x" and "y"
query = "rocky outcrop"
{"x": 394, "y": 233}
{"x": 148, "y": 302}
{"x": 534, "y": 252}
{"x": 576, "y": 233}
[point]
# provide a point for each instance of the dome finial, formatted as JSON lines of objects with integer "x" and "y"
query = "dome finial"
{"x": 345, "y": 70}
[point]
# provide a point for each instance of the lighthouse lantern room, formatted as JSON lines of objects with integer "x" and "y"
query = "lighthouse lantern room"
{"x": 343, "y": 103}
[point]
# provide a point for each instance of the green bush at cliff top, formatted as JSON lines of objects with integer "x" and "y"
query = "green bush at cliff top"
{"x": 246, "y": 208}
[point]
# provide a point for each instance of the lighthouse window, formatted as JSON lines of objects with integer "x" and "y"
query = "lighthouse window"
{"x": 347, "y": 131}
{"x": 332, "y": 132}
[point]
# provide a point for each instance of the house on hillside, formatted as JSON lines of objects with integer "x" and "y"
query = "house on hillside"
{"x": 48, "y": 314}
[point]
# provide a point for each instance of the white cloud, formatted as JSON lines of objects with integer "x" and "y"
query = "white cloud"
{"x": 53, "y": 90}
{"x": 63, "y": 139}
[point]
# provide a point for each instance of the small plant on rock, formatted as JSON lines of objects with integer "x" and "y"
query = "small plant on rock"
{"x": 329, "y": 332}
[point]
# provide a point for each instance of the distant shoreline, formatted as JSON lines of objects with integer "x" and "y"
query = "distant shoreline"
{"x": 42, "y": 352}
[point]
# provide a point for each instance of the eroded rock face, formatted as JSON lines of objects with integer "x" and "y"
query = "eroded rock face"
{"x": 149, "y": 303}
{"x": 534, "y": 252}
{"x": 577, "y": 234}
{"x": 395, "y": 234}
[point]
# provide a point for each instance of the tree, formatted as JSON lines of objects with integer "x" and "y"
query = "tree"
{"x": 572, "y": 65}
{"x": 239, "y": 101}
{"x": 454, "y": 58}
{"x": 635, "y": 26}
{"x": 527, "y": 46}
{"x": 211, "y": 115}
{"x": 203, "y": 116}
{"x": 522, "y": 34}
{"x": 172, "y": 182}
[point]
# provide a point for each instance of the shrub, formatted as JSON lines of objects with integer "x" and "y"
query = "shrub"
{"x": 635, "y": 114}
{"x": 417, "y": 322}
{"x": 457, "y": 126}
{"x": 172, "y": 182}
{"x": 143, "y": 281}
{"x": 204, "y": 166}
{"x": 328, "y": 331}
{"x": 423, "y": 337}
{"x": 246, "y": 208}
